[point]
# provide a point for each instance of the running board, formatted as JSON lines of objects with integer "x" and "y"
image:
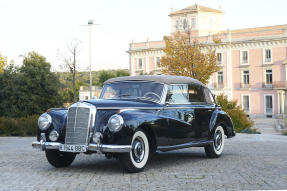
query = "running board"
{"x": 185, "y": 145}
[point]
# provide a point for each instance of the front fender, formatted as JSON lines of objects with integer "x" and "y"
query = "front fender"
{"x": 136, "y": 119}
{"x": 222, "y": 118}
{"x": 59, "y": 118}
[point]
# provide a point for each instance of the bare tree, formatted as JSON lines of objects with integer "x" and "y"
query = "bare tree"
{"x": 71, "y": 61}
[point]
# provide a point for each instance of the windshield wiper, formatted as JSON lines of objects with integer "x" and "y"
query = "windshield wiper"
{"x": 124, "y": 95}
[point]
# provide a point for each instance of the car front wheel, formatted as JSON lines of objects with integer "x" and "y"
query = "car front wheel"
{"x": 215, "y": 149}
{"x": 60, "y": 159}
{"x": 137, "y": 158}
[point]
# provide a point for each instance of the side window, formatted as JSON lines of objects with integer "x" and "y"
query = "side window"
{"x": 208, "y": 96}
{"x": 177, "y": 94}
{"x": 195, "y": 93}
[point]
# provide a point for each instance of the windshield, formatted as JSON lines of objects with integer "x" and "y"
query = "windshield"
{"x": 133, "y": 90}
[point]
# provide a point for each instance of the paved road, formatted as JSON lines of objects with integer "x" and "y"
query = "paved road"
{"x": 267, "y": 125}
{"x": 249, "y": 162}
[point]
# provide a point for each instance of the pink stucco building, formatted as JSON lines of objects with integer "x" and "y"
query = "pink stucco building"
{"x": 253, "y": 61}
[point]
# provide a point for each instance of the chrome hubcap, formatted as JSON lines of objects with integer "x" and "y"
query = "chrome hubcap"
{"x": 138, "y": 150}
{"x": 218, "y": 140}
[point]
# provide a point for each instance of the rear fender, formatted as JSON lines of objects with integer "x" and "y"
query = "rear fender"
{"x": 222, "y": 118}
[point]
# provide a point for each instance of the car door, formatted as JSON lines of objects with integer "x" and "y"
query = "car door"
{"x": 180, "y": 114}
{"x": 203, "y": 107}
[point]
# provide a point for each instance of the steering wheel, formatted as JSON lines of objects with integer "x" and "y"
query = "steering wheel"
{"x": 152, "y": 93}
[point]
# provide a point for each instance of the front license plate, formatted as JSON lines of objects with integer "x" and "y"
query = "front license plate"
{"x": 73, "y": 148}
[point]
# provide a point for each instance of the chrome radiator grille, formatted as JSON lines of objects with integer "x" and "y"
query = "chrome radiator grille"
{"x": 77, "y": 126}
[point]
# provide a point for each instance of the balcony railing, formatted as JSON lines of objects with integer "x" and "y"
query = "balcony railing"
{"x": 280, "y": 85}
{"x": 268, "y": 86}
{"x": 217, "y": 86}
{"x": 243, "y": 85}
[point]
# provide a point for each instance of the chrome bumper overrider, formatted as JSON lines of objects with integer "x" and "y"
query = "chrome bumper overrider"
{"x": 43, "y": 145}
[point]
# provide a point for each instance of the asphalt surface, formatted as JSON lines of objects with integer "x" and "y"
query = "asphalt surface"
{"x": 249, "y": 162}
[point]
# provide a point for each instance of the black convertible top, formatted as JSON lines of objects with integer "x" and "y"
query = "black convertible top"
{"x": 166, "y": 79}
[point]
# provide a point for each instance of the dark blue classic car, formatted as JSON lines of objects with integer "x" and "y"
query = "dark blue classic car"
{"x": 135, "y": 117}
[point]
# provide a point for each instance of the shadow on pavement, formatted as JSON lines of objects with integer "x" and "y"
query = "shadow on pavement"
{"x": 113, "y": 166}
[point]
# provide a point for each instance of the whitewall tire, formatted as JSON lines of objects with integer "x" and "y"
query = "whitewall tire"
{"x": 137, "y": 159}
{"x": 215, "y": 149}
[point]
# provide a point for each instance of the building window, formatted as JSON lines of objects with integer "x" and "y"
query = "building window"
{"x": 220, "y": 79}
{"x": 157, "y": 62}
{"x": 268, "y": 104}
{"x": 193, "y": 23}
{"x": 244, "y": 57}
{"x": 219, "y": 58}
{"x": 268, "y": 76}
{"x": 246, "y": 77}
{"x": 245, "y": 103}
{"x": 267, "y": 55}
{"x": 140, "y": 64}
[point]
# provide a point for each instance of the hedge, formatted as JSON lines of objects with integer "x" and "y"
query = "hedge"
{"x": 23, "y": 126}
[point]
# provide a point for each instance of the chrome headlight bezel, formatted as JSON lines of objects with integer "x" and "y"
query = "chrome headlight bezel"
{"x": 44, "y": 121}
{"x": 115, "y": 123}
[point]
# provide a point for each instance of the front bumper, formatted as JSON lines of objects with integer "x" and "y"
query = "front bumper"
{"x": 102, "y": 148}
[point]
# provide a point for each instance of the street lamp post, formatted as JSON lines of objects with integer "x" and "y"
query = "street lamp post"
{"x": 89, "y": 25}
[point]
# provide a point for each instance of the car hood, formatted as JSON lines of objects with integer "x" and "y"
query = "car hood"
{"x": 113, "y": 103}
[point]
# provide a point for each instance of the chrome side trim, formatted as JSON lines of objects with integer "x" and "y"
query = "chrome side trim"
{"x": 185, "y": 145}
{"x": 134, "y": 108}
{"x": 152, "y": 108}
{"x": 91, "y": 147}
{"x": 191, "y": 107}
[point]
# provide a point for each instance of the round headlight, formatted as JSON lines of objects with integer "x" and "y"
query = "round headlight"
{"x": 44, "y": 121}
{"x": 54, "y": 135}
{"x": 115, "y": 123}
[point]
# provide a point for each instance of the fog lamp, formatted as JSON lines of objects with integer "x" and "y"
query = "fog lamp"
{"x": 54, "y": 135}
{"x": 97, "y": 137}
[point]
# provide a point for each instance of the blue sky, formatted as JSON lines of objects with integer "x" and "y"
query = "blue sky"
{"x": 46, "y": 26}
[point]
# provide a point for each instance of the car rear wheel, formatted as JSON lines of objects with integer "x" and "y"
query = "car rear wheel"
{"x": 60, "y": 159}
{"x": 215, "y": 149}
{"x": 137, "y": 158}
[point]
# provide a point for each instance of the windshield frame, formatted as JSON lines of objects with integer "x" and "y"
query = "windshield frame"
{"x": 162, "y": 96}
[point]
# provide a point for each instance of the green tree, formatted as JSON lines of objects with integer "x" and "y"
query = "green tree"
{"x": 30, "y": 89}
{"x": 186, "y": 58}
{"x": 122, "y": 73}
{"x": 104, "y": 75}
{"x": 238, "y": 116}
{"x": 3, "y": 62}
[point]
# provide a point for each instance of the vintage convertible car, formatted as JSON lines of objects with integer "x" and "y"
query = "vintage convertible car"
{"x": 135, "y": 117}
